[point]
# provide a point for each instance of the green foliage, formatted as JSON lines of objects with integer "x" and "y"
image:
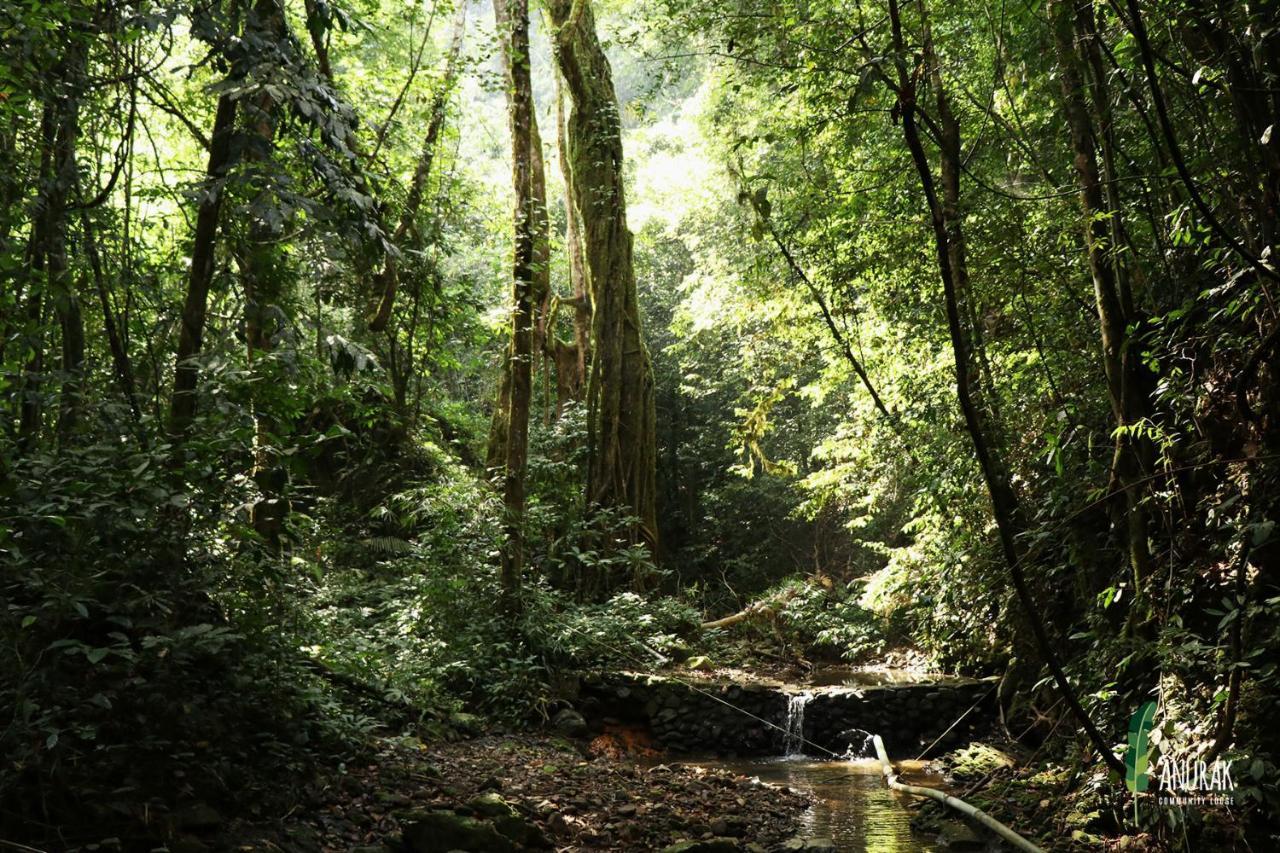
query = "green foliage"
{"x": 826, "y": 624}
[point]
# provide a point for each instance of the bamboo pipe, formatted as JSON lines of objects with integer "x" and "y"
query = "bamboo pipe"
{"x": 946, "y": 799}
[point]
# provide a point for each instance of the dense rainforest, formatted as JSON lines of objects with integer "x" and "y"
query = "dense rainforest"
{"x": 379, "y": 379}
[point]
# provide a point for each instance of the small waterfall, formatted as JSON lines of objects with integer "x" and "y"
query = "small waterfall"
{"x": 793, "y": 741}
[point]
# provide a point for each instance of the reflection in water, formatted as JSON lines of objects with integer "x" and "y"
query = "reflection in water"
{"x": 851, "y": 804}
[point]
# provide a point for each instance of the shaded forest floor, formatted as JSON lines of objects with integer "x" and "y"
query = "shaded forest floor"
{"x": 543, "y": 791}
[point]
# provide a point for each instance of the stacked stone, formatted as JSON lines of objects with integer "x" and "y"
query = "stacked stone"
{"x": 721, "y": 719}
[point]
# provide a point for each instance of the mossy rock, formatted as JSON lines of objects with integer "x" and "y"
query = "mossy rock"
{"x": 975, "y": 761}
{"x": 524, "y": 833}
{"x": 706, "y": 845}
{"x": 464, "y": 723}
{"x": 492, "y": 805}
{"x": 444, "y": 831}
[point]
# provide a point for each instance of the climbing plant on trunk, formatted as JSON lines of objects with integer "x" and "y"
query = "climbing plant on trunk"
{"x": 620, "y": 384}
{"x": 513, "y": 27}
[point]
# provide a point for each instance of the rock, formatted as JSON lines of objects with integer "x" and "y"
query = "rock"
{"x": 467, "y": 724}
{"x": 557, "y": 824}
{"x": 678, "y": 651}
{"x": 187, "y": 844}
{"x": 393, "y": 800}
{"x": 524, "y": 833}
{"x": 199, "y": 817}
{"x": 491, "y": 805}
{"x": 956, "y": 835}
{"x": 704, "y": 845}
{"x": 444, "y": 831}
{"x": 570, "y": 723}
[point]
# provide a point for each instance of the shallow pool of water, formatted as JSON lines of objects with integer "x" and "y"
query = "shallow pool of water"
{"x": 851, "y": 804}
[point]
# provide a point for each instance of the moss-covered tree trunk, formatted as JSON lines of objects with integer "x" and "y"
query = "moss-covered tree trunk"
{"x": 620, "y": 385}
{"x": 571, "y": 358}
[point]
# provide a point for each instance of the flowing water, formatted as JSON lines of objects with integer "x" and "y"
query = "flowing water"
{"x": 851, "y": 804}
{"x": 793, "y": 741}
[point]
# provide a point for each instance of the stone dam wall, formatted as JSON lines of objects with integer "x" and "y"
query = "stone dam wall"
{"x": 707, "y": 717}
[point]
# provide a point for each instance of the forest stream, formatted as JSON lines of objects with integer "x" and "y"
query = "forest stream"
{"x": 849, "y": 804}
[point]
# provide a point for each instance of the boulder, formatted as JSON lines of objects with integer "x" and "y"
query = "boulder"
{"x": 570, "y": 723}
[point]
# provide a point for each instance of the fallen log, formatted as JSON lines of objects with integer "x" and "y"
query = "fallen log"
{"x": 767, "y": 607}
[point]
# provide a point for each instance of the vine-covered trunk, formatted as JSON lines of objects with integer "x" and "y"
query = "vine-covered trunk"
{"x": 57, "y": 266}
{"x": 513, "y": 27}
{"x": 539, "y": 263}
{"x": 948, "y": 228}
{"x": 571, "y": 358}
{"x": 620, "y": 385}
{"x": 182, "y": 408}
{"x": 265, "y": 320}
{"x": 1126, "y": 377}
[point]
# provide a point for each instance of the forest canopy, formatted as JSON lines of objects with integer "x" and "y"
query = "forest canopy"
{"x": 373, "y": 370}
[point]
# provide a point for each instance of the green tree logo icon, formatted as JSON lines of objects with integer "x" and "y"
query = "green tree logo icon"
{"x": 1138, "y": 755}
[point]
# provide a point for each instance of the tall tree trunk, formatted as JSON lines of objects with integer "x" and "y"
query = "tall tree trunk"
{"x": 387, "y": 281}
{"x": 186, "y": 378}
{"x": 513, "y": 27}
{"x": 620, "y": 388}
{"x": 31, "y": 408}
{"x": 1125, "y": 375}
{"x": 540, "y": 267}
{"x": 264, "y": 295}
{"x": 1004, "y": 501}
{"x": 58, "y": 280}
{"x": 571, "y": 359}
